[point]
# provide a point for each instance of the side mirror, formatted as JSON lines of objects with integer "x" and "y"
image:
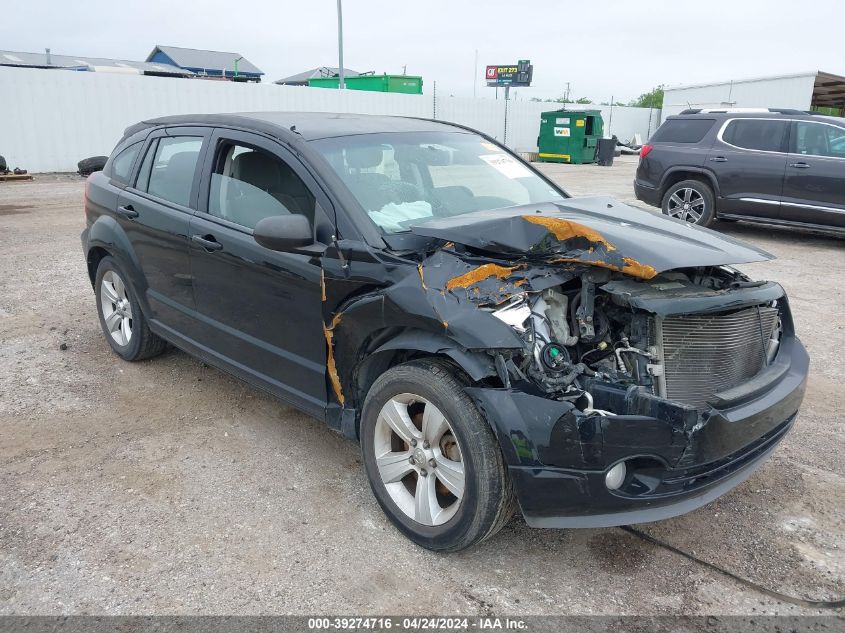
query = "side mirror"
{"x": 284, "y": 232}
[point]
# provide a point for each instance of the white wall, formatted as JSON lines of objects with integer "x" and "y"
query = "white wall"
{"x": 53, "y": 118}
{"x": 795, "y": 91}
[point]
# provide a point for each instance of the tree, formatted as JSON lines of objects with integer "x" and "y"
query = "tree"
{"x": 653, "y": 99}
{"x": 581, "y": 100}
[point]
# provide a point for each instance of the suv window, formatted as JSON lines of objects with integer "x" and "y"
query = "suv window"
{"x": 121, "y": 165}
{"x": 168, "y": 168}
{"x": 765, "y": 135}
{"x": 682, "y": 131}
{"x": 818, "y": 139}
{"x": 250, "y": 184}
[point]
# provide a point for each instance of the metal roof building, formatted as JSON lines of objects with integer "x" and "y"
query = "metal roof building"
{"x": 800, "y": 91}
{"x": 301, "y": 79}
{"x": 97, "y": 64}
{"x": 207, "y": 64}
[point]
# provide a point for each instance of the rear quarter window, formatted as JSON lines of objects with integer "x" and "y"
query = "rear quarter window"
{"x": 121, "y": 165}
{"x": 682, "y": 131}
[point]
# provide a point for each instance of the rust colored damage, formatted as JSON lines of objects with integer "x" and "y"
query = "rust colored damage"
{"x": 629, "y": 266}
{"x": 422, "y": 276}
{"x": 565, "y": 230}
{"x": 330, "y": 364}
{"x": 479, "y": 274}
{"x": 636, "y": 269}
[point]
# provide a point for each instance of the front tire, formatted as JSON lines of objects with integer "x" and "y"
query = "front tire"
{"x": 433, "y": 462}
{"x": 691, "y": 201}
{"x": 121, "y": 319}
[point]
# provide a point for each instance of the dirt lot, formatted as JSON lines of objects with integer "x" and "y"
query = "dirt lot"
{"x": 168, "y": 487}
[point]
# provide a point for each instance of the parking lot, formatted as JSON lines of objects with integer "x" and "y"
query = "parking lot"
{"x": 168, "y": 487}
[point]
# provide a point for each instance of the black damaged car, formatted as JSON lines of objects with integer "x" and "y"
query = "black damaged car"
{"x": 489, "y": 340}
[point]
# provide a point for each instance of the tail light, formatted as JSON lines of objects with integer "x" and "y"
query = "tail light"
{"x": 85, "y": 197}
{"x": 645, "y": 150}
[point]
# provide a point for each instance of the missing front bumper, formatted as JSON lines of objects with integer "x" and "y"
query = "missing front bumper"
{"x": 558, "y": 456}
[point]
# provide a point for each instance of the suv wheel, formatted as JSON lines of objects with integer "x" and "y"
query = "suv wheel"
{"x": 691, "y": 201}
{"x": 123, "y": 323}
{"x": 432, "y": 460}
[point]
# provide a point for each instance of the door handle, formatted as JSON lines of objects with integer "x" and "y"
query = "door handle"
{"x": 719, "y": 159}
{"x": 127, "y": 212}
{"x": 800, "y": 165}
{"x": 207, "y": 242}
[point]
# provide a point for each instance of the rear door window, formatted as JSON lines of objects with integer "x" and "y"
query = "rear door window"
{"x": 169, "y": 167}
{"x": 764, "y": 135}
{"x": 819, "y": 139}
{"x": 682, "y": 131}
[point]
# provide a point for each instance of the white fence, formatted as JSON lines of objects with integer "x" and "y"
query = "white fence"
{"x": 793, "y": 91}
{"x": 53, "y": 118}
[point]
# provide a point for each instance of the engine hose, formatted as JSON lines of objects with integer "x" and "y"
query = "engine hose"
{"x": 801, "y": 602}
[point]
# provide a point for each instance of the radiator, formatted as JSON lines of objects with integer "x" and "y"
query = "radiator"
{"x": 704, "y": 354}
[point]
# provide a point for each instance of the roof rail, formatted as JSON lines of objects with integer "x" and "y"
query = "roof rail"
{"x": 788, "y": 111}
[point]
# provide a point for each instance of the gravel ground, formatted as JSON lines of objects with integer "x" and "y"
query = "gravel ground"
{"x": 168, "y": 487}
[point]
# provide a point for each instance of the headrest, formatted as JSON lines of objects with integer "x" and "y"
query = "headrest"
{"x": 363, "y": 157}
{"x": 181, "y": 162}
{"x": 257, "y": 169}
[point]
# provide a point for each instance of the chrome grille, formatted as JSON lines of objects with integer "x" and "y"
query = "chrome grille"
{"x": 705, "y": 354}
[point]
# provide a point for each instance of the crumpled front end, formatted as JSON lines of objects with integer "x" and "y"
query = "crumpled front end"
{"x": 621, "y": 388}
{"x": 636, "y": 394}
{"x": 676, "y": 457}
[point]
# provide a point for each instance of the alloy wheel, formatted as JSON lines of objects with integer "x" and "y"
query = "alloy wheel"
{"x": 419, "y": 459}
{"x": 116, "y": 308}
{"x": 686, "y": 204}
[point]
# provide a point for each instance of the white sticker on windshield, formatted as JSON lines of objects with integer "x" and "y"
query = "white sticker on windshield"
{"x": 506, "y": 165}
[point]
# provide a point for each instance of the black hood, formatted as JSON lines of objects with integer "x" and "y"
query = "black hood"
{"x": 597, "y": 230}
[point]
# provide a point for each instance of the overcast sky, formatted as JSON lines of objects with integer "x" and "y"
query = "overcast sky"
{"x": 611, "y": 48}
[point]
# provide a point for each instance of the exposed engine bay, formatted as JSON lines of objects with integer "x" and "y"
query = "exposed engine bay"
{"x": 624, "y": 315}
{"x": 614, "y": 329}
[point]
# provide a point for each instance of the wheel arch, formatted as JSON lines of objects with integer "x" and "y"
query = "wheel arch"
{"x": 677, "y": 174}
{"x": 394, "y": 346}
{"x": 106, "y": 238}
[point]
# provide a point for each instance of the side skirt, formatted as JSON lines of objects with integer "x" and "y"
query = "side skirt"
{"x": 300, "y": 401}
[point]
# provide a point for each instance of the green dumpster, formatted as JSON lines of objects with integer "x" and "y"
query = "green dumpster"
{"x": 569, "y": 136}
{"x": 407, "y": 84}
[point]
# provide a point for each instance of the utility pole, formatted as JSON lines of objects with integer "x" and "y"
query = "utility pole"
{"x": 475, "y": 74}
{"x": 341, "y": 82}
{"x": 507, "y": 97}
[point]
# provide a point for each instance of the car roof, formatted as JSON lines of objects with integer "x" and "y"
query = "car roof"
{"x": 310, "y": 126}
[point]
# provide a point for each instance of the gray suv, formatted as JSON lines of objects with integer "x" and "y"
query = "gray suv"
{"x": 774, "y": 166}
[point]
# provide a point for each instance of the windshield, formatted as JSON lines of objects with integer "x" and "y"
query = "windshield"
{"x": 404, "y": 179}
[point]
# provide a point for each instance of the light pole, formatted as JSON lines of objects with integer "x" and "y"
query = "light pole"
{"x": 236, "y": 66}
{"x": 341, "y": 83}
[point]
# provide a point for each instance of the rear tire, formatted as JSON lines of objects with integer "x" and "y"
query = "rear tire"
{"x": 453, "y": 493}
{"x": 691, "y": 201}
{"x": 121, "y": 319}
